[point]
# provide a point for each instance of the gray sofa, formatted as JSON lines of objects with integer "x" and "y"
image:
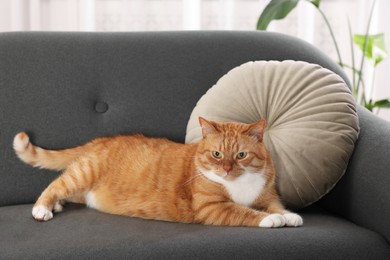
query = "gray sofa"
{"x": 67, "y": 88}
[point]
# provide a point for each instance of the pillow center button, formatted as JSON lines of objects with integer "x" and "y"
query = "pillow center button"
{"x": 101, "y": 107}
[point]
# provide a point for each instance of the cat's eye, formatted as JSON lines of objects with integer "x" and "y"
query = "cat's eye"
{"x": 242, "y": 155}
{"x": 217, "y": 154}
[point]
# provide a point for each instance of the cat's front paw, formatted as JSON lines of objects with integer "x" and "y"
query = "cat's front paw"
{"x": 272, "y": 221}
{"x": 293, "y": 220}
{"x": 42, "y": 213}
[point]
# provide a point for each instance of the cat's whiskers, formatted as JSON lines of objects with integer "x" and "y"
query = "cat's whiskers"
{"x": 189, "y": 180}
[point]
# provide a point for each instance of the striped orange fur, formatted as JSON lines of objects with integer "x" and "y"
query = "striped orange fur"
{"x": 226, "y": 179}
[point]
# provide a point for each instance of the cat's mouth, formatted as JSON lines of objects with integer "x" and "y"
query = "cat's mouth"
{"x": 218, "y": 176}
{"x": 229, "y": 175}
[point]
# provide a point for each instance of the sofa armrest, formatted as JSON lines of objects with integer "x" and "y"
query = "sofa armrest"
{"x": 363, "y": 193}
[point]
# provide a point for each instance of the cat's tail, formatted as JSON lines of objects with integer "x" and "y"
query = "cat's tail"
{"x": 39, "y": 157}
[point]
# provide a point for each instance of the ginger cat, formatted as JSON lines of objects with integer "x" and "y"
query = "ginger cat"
{"x": 226, "y": 179}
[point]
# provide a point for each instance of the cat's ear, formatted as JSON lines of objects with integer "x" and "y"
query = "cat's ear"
{"x": 257, "y": 129}
{"x": 208, "y": 127}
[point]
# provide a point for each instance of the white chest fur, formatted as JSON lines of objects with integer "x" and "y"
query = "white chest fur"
{"x": 243, "y": 190}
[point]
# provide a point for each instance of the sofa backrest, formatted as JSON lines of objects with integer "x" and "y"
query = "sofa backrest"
{"x": 65, "y": 89}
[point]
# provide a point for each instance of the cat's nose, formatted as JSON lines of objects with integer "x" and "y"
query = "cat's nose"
{"x": 227, "y": 167}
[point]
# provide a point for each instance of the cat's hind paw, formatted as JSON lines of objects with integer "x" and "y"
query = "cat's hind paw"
{"x": 272, "y": 221}
{"x": 59, "y": 206}
{"x": 293, "y": 220}
{"x": 41, "y": 213}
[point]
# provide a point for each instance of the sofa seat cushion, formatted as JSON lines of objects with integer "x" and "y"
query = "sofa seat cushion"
{"x": 312, "y": 124}
{"x": 81, "y": 233}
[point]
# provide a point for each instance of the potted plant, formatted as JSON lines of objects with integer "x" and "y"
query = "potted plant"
{"x": 372, "y": 47}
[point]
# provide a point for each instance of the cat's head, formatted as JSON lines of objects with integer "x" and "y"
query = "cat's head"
{"x": 229, "y": 150}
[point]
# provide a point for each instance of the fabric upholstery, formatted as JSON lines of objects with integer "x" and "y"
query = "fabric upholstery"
{"x": 80, "y": 233}
{"x": 312, "y": 124}
{"x": 363, "y": 194}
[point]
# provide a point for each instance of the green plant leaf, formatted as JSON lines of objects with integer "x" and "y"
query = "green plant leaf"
{"x": 369, "y": 105}
{"x": 316, "y": 3}
{"x": 275, "y": 10}
{"x": 383, "y": 103}
{"x": 376, "y": 47}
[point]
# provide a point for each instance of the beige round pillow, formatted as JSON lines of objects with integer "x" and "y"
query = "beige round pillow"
{"x": 312, "y": 124}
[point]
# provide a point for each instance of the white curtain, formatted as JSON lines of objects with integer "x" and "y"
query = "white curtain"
{"x": 146, "y": 15}
{"x": 127, "y": 15}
